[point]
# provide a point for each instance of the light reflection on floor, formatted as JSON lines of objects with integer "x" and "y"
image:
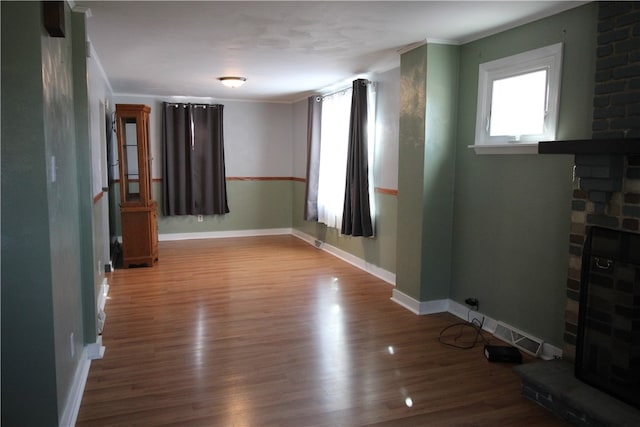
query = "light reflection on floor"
{"x": 335, "y": 358}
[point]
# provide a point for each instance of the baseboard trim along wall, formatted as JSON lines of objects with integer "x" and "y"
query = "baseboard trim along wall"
{"x": 418, "y": 307}
{"x": 372, "y": 269}
{"x": 71, "y": 409}
{"x": 224, "y": 234}
{"x": 95, "y": 350}
{"x": 102, "y": 300}
{"x": 380, "y": 273}
{"x": 459, "y": 310}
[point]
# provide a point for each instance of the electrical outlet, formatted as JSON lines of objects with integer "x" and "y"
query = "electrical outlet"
{"x": 200, "y": 218}
{"x": 472, "y": 302}
{"x": 72, "y": 345}
{"x": 53, "y": 169}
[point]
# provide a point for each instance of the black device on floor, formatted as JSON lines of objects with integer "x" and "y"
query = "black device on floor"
{"x": 503, "y": 354}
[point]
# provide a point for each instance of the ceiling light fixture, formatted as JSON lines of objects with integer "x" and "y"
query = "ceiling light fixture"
{"x": 232, "y": 81}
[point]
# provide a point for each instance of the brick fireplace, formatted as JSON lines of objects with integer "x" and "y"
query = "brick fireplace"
{"x": 607, "y": 174}
{"x": 606, "y": 196}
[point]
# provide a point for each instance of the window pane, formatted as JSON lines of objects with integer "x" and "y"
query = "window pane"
{"x": 518, "y": 105}
{"x": 334, "y": 144}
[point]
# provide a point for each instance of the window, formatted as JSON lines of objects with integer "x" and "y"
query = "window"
{"x": 193, "y": 173}
{"x": 336, "y": 110}
{"x": 518, "y": 101}
{"x": 341, "y": 135}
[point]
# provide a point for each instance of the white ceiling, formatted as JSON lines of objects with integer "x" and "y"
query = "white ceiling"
{"x": 286, "y": 50}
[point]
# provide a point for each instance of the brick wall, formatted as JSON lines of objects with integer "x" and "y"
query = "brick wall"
{"x": 617, "y": 91}
{"x": 607, "y": 187}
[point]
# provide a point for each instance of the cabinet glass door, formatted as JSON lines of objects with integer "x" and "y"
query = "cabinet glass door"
{"x": 131, "y": 174}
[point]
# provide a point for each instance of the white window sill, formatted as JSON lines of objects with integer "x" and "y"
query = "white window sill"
{"x": 511, "y": 148}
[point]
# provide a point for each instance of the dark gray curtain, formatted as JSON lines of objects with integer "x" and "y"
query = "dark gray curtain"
{"x": 356, "y": 217}
{"x": 194, "y": 181}
{"x": 314, "y": 115}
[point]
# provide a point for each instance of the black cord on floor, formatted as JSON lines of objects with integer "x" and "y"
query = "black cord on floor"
{"x": 456, "y": 341}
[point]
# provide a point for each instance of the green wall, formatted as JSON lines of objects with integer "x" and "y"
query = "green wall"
{"x": 253, "y": 205}
{"x": 428, "y": 103}
{"x": 41, "y": 231}
{"x": 274, "y": 204}
{"x": 379, "y": 250}
{"x": 28, "y": 359}
{"x": 91, "y": 270}
{"x": 413, "y": 101}
{"x": 439, "y": 158}
{"x": 512, "y": 212}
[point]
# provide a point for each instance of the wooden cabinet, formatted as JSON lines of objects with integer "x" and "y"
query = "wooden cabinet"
{"x": 138, "y": 210}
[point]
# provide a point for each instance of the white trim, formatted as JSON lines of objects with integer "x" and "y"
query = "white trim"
{"x": 419, "y": 307}
{"x": 550, "y": 352}
{"x": 96, "y": 350}
{"x": 101, "y": 315}
{"x": 405, "y": 301}
{"x": 410, "y": 47}
{"x": 303, "y": 236}
{"x": 79, "y": 9}
{"x": 547, "y": 58}
{"x": 463, "y": 312}
{"x": 561, "y": 7}
{"x": 224, "y": 234}
{"x": 372, "y": 269}
{"x": 450, "y": 42}
{"x": 96, "y": 58}
{"x": 71, "y": 409}
{"x": 174, "y": 97}
{"x": 102, "y": 297}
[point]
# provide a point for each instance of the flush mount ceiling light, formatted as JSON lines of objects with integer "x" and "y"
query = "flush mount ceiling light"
{"x": 232, "y": 81}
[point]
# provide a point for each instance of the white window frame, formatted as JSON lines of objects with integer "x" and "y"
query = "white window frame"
{"x": 549, "y": 58}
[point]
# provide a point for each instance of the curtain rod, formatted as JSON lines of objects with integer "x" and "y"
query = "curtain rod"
{"x": 344, "y": 89}
{"x": 177, "y": 104}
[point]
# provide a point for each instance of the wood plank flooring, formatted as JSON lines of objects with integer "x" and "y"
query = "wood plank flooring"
{"x": 270, "y": 331}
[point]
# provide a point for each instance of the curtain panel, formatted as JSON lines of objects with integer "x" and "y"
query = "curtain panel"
{"x": 193, "y": 175}
{"x": 356, "y": 217}
{"x": 314, "y": 117}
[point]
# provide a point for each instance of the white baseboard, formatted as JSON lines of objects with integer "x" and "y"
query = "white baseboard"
{"x": 102, "y": 296}
{"x": 459, "y": 310}
{"x": 71, "y": 409}
{"x": 224, "y": 234}
{"x": 303, "y": 236}
{"x": 372, "y": 269}
{"x": 102, "y": 300}
{"x": 95, "y": 350}
{"x": 419, "y": 307}
{"x": 463, "y": 312}
{"x": 550, "y": 352}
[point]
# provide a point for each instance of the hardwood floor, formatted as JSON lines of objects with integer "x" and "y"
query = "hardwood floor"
{"x": 270, "y": 331}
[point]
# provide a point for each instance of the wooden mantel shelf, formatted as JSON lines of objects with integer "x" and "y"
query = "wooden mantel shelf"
{"x": 591, "y": 146}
